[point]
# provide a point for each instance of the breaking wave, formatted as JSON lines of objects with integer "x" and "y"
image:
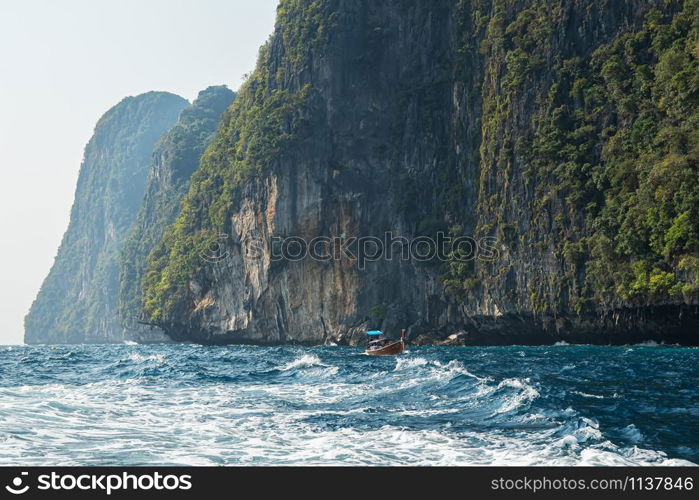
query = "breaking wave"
{"x": 304, "y": 361}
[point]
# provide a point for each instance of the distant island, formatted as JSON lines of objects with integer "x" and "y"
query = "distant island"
{"x": 478, "y": 173}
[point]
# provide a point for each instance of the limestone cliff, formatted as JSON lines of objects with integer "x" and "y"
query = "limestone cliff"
{"x": 561, "y": 135}
{"x": 78, "y": 299}
{"x": 175, "y": 158}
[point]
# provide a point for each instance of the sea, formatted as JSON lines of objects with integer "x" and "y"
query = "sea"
{"x": 127, "y": 405}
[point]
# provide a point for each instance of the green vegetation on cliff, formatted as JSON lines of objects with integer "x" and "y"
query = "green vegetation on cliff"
{"x": 254, "y": 132}
{"x": 78, "y": 299}
{"x": 608, "y": 162}
{"x": 175, "y": 158}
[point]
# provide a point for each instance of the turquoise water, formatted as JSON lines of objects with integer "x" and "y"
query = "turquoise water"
{"x": 187, "y": 404}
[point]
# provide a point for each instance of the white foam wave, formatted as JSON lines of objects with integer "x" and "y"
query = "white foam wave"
{"x": 648, "y": 343}
{"x": 525, "y": 394}
{"x": 140, "y": 358}
{"x": 633, "y": 434}
{"x": 304, "y": 361}
{"x": 310, "y": 361}
{"x": 405, "y": 363}
{"x": 587, "y": 395}
{"x": 430, "y": 372}
{"x": 455, "y": 367}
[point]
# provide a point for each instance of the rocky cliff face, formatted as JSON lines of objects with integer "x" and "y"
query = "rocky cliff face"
{"x": 556, "y": 140}
{"x": 77, "y": 301}
{"x": 175, "y": 158}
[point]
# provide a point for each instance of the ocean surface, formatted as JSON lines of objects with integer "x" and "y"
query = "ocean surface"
{"x": 194, "y": 405}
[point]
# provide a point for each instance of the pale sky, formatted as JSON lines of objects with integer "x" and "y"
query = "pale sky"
{"x": 62, "y": 65}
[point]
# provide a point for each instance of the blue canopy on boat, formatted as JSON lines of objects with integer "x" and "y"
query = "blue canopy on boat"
{"x": 374, "y": 332}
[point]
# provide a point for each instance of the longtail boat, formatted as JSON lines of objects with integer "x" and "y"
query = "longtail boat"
{"x": 380, "y": 346}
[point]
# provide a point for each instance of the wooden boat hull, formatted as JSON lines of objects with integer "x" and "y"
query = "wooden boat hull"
{"x": 388, "y": 350}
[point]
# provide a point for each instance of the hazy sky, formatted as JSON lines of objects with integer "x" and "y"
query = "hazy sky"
{"x": 62, "y": 65}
